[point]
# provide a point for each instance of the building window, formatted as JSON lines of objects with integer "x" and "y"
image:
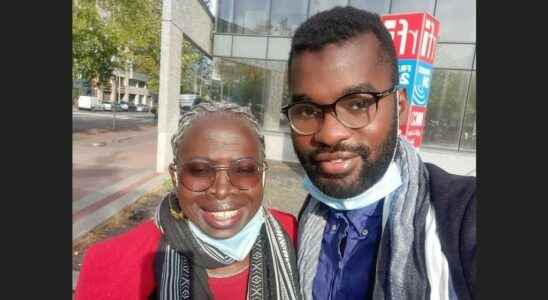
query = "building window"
{"x": 444, "y": 116}
{"x": 378, "y": 6}
{"x": 399, "y": 6}
{"x": 321, "y": 5}
{"x": 286, "y": 16}
{"x": 242, "y": 83}
{"x": 468, "y": 136}
{"x": 225, "y": 16}
{"x": 457, "y": 20}
{"x": 133, "y": 83}
{"x": 251, "y": 16}
{"x": 454, "y": 56}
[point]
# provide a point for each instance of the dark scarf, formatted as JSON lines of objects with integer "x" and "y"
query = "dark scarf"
{"x": 182, "y": 261}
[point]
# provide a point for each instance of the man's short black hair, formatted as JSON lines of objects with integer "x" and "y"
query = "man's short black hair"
{"x": 338, "y": 25}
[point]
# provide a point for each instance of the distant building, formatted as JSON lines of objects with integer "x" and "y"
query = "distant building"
{"x": 130, "y": 87}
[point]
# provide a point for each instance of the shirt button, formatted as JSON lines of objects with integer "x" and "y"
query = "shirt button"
{"x": 334, "y": 228}
{"x": 365, "y": 232}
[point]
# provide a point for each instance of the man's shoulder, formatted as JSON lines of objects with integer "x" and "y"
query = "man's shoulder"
{"x": 453, "y": 198}
{"x": 447, "y": 188}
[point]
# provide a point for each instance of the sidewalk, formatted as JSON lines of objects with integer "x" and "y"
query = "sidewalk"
{"x": 110, "y": 171}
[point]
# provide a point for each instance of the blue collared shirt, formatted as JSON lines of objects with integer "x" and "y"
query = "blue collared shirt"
{"x": 346, "y": 267}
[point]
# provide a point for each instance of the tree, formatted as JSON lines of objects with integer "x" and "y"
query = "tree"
{"x": 94, "y": 44}
{"x": 131, "y": 29}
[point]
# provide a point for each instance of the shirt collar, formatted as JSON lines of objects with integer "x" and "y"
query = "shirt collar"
{"x": 356, "y": 219}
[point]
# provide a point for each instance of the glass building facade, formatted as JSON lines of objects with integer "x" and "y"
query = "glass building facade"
{"x": 252, "y": 42}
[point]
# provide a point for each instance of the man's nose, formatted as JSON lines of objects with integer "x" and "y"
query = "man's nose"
{"x": 331, "y": 131}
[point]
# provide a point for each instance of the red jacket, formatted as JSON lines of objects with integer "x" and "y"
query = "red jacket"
{"x": 123, "y": 267}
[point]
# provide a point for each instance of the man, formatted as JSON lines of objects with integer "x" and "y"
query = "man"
{"x": 378, "y": 223}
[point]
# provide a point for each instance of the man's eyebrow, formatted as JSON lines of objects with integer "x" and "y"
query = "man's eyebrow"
{"x": 358, "y": 88}
{"x": 300, "y": 98}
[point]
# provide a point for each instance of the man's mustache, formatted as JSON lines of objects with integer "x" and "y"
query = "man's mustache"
{"x": 360, "y": 150}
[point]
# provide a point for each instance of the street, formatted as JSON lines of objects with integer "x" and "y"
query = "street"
{"x": 103, "y": 157}
{"x": 92, "y": 122}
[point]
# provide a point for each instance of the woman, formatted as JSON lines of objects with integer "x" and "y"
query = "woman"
{"x": 212, "y": 237}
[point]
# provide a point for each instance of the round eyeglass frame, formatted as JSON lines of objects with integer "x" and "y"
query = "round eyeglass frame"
{"x": 332, "y": 107}
{"x": 262, "y": 166}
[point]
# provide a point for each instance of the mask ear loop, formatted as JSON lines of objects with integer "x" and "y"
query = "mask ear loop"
{"x": 398, "y": 108}
{"x": 266, "y": 202}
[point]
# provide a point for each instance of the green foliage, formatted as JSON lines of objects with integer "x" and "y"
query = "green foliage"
{"x": 109, "y": 33}
{"x": 94, "y": 44}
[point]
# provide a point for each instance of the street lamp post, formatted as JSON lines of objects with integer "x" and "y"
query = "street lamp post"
{"x": 113, "y": 107}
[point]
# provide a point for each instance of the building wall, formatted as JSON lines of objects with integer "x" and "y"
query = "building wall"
{"x": 110, "y": 92}
{"x": 198, "y": 24}
{"x": 254, "y": 37}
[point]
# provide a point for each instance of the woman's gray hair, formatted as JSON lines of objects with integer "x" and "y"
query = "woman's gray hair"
{"x": 207, "y": 108}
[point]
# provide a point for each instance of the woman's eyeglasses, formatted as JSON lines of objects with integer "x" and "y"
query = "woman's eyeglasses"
{"x": 198, "y": 175}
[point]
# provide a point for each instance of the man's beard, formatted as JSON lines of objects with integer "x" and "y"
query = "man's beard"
{"x": 371, "y": 171}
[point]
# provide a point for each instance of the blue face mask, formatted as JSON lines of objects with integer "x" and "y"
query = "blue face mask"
{"x": 238, "y": 246}
{"x": 390, "y": 181}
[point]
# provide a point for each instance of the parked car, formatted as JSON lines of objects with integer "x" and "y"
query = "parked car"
{"x": 142, "y": 108}
{"x": 107, "y": 106}
{"x": 124, "y": 106}
{"x": 131, "y": 107}
{"x": 98, "y": 107}
{"x": 87, "y": 102}
{"x": 118, "y": 107}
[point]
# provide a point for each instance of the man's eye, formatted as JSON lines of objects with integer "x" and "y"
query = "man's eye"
{"x": 308, "y": 112}
{"x": 359, "y": 104}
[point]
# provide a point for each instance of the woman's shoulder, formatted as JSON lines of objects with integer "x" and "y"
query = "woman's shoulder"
{"x": 288, "y": 222}
{"x": 137, "y": 237}
{"x": 127, "y": 260}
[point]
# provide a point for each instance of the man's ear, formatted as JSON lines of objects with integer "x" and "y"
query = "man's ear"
{"x": 402, "y": 106}
{"x": 173, "y": 175}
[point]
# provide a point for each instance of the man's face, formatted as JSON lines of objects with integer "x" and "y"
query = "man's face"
{"x": 340, "y": 161}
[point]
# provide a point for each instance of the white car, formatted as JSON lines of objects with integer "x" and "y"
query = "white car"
{"x": 142, "y": 108}
{"x": 107, "y": 106}
{"x": 98, "y": 107}
{"x": 124, "y": 106}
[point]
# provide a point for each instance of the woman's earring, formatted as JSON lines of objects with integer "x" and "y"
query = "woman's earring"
{"x": 177, "y": 215}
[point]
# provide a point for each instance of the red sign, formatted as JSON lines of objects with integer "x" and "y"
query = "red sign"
{"x": 412, "y": 129}
{"x": 415, "y": 35}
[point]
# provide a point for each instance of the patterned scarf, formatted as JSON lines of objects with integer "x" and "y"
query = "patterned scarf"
{"x": 182, "y": 261}
{"x": 410, "y": 263}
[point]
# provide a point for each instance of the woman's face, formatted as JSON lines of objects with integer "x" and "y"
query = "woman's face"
{"x": 223, "y": 209}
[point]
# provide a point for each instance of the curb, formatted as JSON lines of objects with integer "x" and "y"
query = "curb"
{"x": 74, "y": 279}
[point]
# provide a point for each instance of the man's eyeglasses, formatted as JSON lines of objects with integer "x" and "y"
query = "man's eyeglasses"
{"x": 354, "y": 110}
{"x": 199, "y": 174}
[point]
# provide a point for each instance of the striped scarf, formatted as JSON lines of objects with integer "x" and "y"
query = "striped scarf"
{"x": 182, "y": 261}
{"x": 410, "y": 263}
